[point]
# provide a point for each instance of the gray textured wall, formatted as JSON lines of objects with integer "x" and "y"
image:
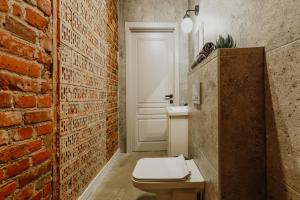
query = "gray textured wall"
{"x": 227, "y": 130}
{"x": 274, "y": 24}
{"x": 149, "y": 11}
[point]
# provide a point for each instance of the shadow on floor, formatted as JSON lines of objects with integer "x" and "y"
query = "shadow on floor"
{"x": 146, "y": 197}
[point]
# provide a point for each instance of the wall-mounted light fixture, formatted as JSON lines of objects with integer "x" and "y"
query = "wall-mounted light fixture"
{"x": 187, "y": 22}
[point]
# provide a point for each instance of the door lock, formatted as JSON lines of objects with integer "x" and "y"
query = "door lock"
{"x": 169, "y": 97}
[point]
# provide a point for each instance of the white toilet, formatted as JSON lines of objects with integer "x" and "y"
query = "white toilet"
{"x": 172, "y": 178}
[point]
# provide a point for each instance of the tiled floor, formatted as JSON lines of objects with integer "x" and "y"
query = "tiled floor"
{"x": 117, "y": 184}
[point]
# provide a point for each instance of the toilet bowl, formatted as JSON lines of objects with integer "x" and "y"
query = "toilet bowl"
{"x": 169, "y": 178}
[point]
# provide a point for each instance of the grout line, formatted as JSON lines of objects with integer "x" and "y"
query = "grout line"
{"x": 294, "y": 41}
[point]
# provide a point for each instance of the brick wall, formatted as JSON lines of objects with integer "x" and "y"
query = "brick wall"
{"x": 88, "y": 119}
{"x": 26, "y": 106}
{"x": 87, "y": 134}
{"x": 111, "y": 34}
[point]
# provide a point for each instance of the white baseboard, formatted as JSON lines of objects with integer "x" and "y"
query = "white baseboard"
{"x": 99, "y": 178}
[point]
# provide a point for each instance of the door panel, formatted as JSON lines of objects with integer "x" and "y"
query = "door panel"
{"x": 152, "y": 130}
{"x": 153, "y": 69}
{"x": 152, "y": 111}
{"x": 152, "y": 77}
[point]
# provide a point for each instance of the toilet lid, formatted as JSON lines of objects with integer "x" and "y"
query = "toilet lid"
{"x": 161, "y": 169}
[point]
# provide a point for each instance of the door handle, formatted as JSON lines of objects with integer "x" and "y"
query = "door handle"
{"x": 169, "y": 96}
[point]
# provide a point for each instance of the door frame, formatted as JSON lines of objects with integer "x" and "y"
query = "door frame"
{"x": 132, "y": 27}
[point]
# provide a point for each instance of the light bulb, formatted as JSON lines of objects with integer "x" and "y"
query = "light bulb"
{"x": 187, "y": 25}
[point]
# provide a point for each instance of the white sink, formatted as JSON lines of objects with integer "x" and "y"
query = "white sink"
{"x": 178, "y": 110}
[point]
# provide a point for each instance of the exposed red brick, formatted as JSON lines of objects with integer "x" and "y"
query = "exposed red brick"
{"x": 20, "y": 29}
{"x": 48, "y": 198}
{"x": 17, "y": 168}
{"x": 2, "y": 175}
{"x": 3, "y": 137}
{"x": 44, "y": 129}
{"x": 35, "y": 117}
{"x": 37, "y": 196}
{"x": 34, "y": 145}
{"x": 47, "y": 189}
{"x": 14, "y": 46}
{"x": 25, "y": 101}
{"x": 35, "y": 19}
{"x": 32, "y": 2}
{"x": 16, "y": 83}
{"x": 44, "y": 101}
{"x": 110, "y": 80}
{"x": 10, "y": 118}
{"x": 45, "y": 6}
{"x": 23, "y": 133}
{"x": 39, "y": 184}
{"x": 17, "y": 11}
{"x": 5, "y": 100}
{"x": 26, "y": 178}
{"x": 40, "y": 157}
{"x": 12, "y": 152}
{"x": 7, "y": 189}
{"x": 46, "y": 43}
{"x": 43, "y": 58}
{"x": 25, "y": 194}
{"x": 45, "y": 87}
{"x": 3, "y": 5}
{"x": 19, "y": 66}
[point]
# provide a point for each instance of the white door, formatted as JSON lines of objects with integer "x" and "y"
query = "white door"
{"x": 151, "y": 75}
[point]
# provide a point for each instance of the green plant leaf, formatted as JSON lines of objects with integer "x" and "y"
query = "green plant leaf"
{"x": 225, "y": 42}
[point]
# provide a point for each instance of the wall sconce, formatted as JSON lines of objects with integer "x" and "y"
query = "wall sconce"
{"x": 187, "y": 22}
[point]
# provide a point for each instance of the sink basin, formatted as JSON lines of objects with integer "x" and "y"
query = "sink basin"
{"x": 178, "y": 110}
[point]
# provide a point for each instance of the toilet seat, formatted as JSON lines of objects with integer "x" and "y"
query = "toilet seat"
{"x": 161, "y": 169}
{"x": 168, "y": 178}
{"x": 194, "y": 180}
